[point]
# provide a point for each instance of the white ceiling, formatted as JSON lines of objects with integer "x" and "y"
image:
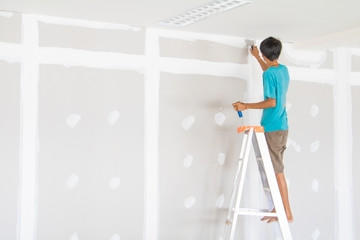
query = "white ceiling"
{"x": 307, "y": 23}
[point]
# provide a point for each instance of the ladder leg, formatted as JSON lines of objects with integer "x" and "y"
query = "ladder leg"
{"x": 230, "y": 214}
{"x": 274, "y": 188}
{"x": 246, "y": 153}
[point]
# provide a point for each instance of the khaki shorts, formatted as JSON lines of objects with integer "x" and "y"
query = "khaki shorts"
{"x": 276, "y": 142}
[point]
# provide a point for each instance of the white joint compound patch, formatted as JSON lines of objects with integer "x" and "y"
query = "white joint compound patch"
{"x": 189, "y": 202}
{"x": 315, "y": 146}
{"x": 304, "y": 57}
{"x": 315, "y": 185}
{"x": 314, "y": 110}
{"x": 219, "y": 118}
{"x": 221, "y": 158}
{"x": 114, "y": 183}
{"x": 293, "y": 144}
{"x": 72, "y": 181}
{"x": 315, "y": 235}
{"x": 72, "y": 120}
{"x": 74, "y": 237}
{"x": 188, "y": 122}
{"x": 188, "y": 160}
{"x": 115, "y": 237}
{"x": 113, "y": 117}
{"x": 220, "y": 201}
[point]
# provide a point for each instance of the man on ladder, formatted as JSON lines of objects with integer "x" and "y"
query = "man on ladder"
{"x": 274, "y": 118}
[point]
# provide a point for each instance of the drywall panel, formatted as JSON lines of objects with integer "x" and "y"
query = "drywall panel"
{"x": 356, "y": 155}
{"x": 91, "y": 159}
{"x": 112, "y": 40}
{"x": 10, "y": 27}
{"x": 202, "y": 50}
{"x": 9, "y": 150}
{"x": 309, "y": 160}
{"x": 198, "y": 154}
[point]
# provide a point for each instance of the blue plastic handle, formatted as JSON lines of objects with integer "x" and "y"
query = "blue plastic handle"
{"x": 240, "y": 114}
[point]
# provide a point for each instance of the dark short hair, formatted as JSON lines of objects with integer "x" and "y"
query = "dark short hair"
{"x": 271, "y": 48}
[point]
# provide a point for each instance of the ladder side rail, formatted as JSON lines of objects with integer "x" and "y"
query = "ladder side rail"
{"x": 243, "y": 145}
{"x": 242, "y": 180}
{"x": 231, "y": 212}
{"x": 277, "y": 200}
{"x": 237, "y": 174}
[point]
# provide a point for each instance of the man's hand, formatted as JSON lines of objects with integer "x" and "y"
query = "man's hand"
{"x": 239, "y": 106}
{"x": 255, "y": 52}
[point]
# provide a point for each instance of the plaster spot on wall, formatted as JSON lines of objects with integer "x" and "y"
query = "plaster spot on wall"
{"x": 288, "y": 106}
{"x": 221, "y": 158}
{"x": 114, "y": 183}
{"x": 315, "y": 235}
{"x": 74, "y": 237}
{"x": 315, "y": 185}
{"x": 314, "y": 110}
{"x": 220, "y": 201}
{"x": 219, "y": 118}
{"x": 303, "y": 57}
{"x": 292, "y": 143}
{"x": 113, "y": 117}
{"x": 188, "y": 122}
{"x": 315, "y": 146}
{"x": 72, "y": 181}
{"x": 115, "y": 237}
{"x": 188, "y": 160}
{"x": 189, "y": 202}
{"x": 72, "y": 120}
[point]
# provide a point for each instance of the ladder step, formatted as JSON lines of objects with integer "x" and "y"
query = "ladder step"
{"x": 266, "y": 189}
{"x": 255, "y": 212}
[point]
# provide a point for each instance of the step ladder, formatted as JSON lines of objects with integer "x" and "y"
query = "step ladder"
{"x": 254, "y": 135}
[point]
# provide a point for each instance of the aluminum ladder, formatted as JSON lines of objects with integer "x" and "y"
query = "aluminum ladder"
{"x": 254, "y": 135}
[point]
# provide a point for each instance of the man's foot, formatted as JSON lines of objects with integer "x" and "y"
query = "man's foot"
{"x": 269, "y": 219}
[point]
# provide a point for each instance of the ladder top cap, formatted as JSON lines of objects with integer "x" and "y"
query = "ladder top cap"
{"x": 246, "y": 128}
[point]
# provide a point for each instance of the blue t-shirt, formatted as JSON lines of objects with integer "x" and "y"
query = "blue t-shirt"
{"x": 276, "y": 82}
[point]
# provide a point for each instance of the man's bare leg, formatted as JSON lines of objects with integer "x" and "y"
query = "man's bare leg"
{"x": 280, "y": 177}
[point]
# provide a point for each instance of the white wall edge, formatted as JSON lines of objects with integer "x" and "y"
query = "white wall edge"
{"x": 151, "y": 158}
{"x": 6, "y": 14}
{"x": 192, "y": 66}
{"x": 344, "y": 209}
{"x": 28, "y": 130}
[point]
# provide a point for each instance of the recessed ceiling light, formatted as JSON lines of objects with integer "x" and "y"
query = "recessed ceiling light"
{"x": 203, "y": 11}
